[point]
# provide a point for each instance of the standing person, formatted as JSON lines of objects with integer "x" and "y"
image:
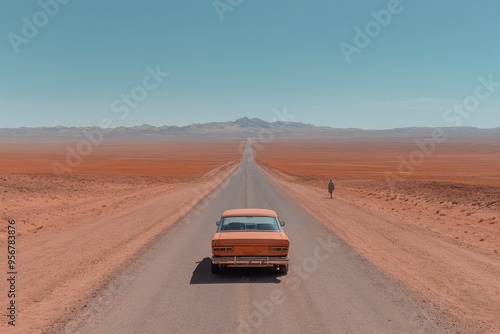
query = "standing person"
{"x": 331, "y": 186}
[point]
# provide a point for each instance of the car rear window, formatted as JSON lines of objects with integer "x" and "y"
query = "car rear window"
{"x": 249, "y": 223}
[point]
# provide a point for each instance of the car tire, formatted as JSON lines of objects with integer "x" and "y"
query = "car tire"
{"x": 215, "y": 268}
{"x": 283, "y": 269}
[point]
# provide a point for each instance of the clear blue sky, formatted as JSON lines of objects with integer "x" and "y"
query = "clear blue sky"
{"x": 265, "y": 54}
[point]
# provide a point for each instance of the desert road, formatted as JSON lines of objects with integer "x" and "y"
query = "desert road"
{"x": 329, "y": 289}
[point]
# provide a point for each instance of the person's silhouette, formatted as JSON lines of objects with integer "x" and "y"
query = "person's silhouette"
{"x": 331, "y": 186}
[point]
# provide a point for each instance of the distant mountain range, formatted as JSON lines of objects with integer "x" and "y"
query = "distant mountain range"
{"x": 241, "y": 128}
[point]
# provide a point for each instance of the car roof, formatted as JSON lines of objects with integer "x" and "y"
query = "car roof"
{"x": 249, "y": 212}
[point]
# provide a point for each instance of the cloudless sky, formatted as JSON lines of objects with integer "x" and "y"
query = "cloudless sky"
{"x": 263, "y": 55}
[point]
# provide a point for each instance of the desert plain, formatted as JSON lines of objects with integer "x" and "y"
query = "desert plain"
{"x": 428, "y": 215}
{"x": 74, "y": 230}
{"x": 430, "y": 219}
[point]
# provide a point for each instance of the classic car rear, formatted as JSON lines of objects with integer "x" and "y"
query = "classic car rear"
{"x": 250, "y": 238}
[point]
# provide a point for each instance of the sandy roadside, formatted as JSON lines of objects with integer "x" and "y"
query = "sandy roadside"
{"x": 453, "y": 274}
{"x": 79, "y": 230}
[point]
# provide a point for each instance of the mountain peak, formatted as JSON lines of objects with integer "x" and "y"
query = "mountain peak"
{"x": 246, "y": 122}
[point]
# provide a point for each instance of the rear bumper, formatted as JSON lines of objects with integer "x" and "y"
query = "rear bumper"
{"x": 250, "y": 261}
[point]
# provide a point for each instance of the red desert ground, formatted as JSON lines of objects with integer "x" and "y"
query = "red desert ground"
{"x": 436, "y": 227}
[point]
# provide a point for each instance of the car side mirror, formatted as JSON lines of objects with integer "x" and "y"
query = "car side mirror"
{"x": 282, "y": 223}
{"x": 217, "y": 223}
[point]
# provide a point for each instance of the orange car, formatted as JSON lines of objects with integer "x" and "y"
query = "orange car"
{"x": 250, "y": 238}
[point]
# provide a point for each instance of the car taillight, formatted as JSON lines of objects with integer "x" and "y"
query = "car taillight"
{"x": 278, "y": 249}
{"x": 222, "y": 249}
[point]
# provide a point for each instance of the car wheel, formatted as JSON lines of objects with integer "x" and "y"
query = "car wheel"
{"x": 283, "y": 269}
{"x": 215, "y": 268}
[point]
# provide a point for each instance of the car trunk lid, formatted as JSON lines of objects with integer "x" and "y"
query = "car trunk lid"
{"x": 251, "y": 243}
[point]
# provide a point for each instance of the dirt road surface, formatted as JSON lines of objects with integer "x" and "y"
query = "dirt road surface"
{"x": 329, "y": 289}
